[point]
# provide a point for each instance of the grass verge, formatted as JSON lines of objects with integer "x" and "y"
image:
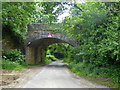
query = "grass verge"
{"x": 9, "y": 65}
{"x": 108, "y": 76}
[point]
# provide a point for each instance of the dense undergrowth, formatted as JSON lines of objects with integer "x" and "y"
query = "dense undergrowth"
{"x": 48, "y": 59}
{"x": 9, "y": 65}
{"x": 13, "y": 60}
{"x": 108, "y": 76}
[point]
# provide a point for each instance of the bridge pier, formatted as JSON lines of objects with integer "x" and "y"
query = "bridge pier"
{"x": 30, "y": 55}
{"x": 34, "y": 55}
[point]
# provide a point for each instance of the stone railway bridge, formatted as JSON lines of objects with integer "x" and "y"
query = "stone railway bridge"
{"x": 37, "y": 39}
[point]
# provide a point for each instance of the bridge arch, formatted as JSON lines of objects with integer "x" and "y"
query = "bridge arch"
{"x": 37, "y": 40}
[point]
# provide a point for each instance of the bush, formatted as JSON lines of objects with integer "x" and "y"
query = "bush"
{"x": 51, "y": 57}
{"x": 13, "y": 55}
{"x": 47, "y": 61}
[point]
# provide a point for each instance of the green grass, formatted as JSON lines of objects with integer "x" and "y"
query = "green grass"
{"x": 107, "y": 76}
{"x": 9, "y": 65}
{"x": 12, "y": 65}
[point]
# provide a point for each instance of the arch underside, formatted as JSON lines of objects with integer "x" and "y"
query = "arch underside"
{"x": 46, "y": 42}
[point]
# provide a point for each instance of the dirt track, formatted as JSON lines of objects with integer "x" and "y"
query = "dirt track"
{"x": 12, "y": 79}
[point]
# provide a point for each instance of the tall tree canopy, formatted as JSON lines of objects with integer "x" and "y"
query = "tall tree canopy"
{"x": 17, "y": 15}
{"x": 96, "y": 27}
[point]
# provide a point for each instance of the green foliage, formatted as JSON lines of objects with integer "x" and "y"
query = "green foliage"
{"x": 13, "y": 55}
{"x": 46, "y": 61}
{"x": 51, "y": 57}
{"x": 48, "y": 14}
{"x": 15, "y": 18}
{"x": 13, "y": 60}
{"x": 62, "y": 48}
{"x": 96, "y": 28}
{"x": 95, "y": 25}
{"x": 89, "y": 70}
{"x": 17, "y": 15}
{"x": 10, "y": 65}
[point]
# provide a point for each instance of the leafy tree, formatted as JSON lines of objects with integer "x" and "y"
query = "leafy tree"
{"x": 93, "y": 26}
{"x": 96, "y": 27}
{"x": 15, "y": 18}
{"x": 17, "y": 15}
{"x": 47, "y": 14}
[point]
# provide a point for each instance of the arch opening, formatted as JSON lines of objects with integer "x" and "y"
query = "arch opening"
{"x": 35, "y": 49}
